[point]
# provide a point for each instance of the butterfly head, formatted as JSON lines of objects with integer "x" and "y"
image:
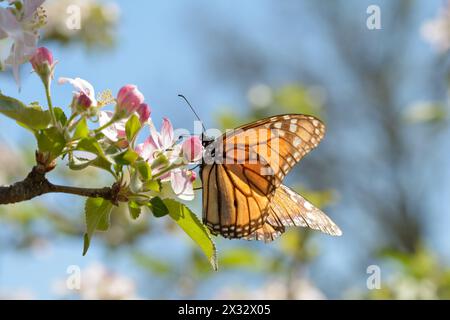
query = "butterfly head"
{"x": 206, "y": 141}
{"x": 210, "y": 148}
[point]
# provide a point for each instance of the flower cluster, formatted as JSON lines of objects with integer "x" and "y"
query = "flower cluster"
{"x": 162, "y": 150}
{"x": 115, "y": 133}
{"x": 19, "y": 25}
{"x": 167, "y": 156}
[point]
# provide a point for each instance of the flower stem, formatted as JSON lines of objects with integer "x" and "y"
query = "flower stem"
{"x": 73, "y": 125}
{"x": 49, "y": 102}
{"x": 165, "y": 170}
{"x": 72, "y": 117}
{"x": 106, "y": 125}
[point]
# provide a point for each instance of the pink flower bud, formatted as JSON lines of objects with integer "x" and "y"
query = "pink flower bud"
{"x": 84, "y": 101}
{"x": 144, "y": 112}
{"x": 193, "y": 176}
{"x": 192, "y": 149}
{"x": 129, "y": 99}
{"x": 40, "y": 57}
{"x": 42, "y": 62}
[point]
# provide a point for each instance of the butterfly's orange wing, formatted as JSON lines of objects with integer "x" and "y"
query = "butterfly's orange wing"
{"x": 288, "y": 208}
{"x": 243, "y": 169}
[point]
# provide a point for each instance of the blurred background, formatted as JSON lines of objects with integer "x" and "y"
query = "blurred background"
{"x": 382, "y": 172}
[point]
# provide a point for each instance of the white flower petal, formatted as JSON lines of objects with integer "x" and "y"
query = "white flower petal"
{"x": 154, "y": 135}
{"x": 181, "y": 184}
{"x": 82, "y": 86}
{"x": 167, "y": 134}
{"x": 110, "y": 132}
{"x": 146, "y": 149}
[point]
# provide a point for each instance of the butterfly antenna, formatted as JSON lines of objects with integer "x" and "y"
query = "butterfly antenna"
{"x": 193, "y": 110}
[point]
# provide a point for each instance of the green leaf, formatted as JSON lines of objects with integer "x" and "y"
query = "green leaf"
{"x": 160, "y": 161}
{"x": 126, "y": 157}
{"x": 77, "y": 163}
{"x": 110, "y": 149}
{"x": 32, "y": 117}
{"x": 132, "y": 127}
{"x": 157, "y": 207}
{"x": 91, "y": 145}
{"x": 60, "y": 115}
{"x": 189, "y": 222}
{"x": 152, "y": 185}
{"x": 97, "y": 212}
{"x": 51, "y": 140}
{"x": 135, "y": 209}
{"x": 81, "y": 130}
{"x": 144, "y": 170}
{"x": 102, "y": 163}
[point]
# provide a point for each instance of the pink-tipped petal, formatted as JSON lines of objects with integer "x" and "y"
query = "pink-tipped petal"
{"x": 154, "y": 135}
{"x": 192, "y": 149}
{"x": 147, "y": 149}
{"x": 110, "y": 132}
{"x": 144, "y": 112}
{"x": 167, "y": 134}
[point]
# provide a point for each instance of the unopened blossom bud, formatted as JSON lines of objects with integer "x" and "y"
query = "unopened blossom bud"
{"x": 42, "y": 62}
{"x": 129, "y": 99}
{"x": 144, "y": 112}
{"x": 192, "y": 149}
{"x": 83, "y": 101}
{"x": 193, "y": 176}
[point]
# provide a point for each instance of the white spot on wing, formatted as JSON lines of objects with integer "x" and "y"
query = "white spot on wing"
{"x": 308, "y": 206}
{"x": 293, "y": 128}
{"x": 297, "y": 141}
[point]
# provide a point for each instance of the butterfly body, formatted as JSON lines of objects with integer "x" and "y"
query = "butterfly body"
{"x": 242, "y": 173}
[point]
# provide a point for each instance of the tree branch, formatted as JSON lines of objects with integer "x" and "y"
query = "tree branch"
{"x": 36, "y": 184}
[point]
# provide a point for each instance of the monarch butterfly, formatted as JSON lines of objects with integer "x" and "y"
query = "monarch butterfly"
{"x": 242, "y": 173}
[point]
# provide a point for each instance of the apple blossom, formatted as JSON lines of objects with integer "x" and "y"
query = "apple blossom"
{"x": 20, "y": 26}
{"x": 160, "y": 145}
{"x": 181, "y": 183}
{"x": 163, "y": 145}
{"x": 42, "y": 62}
{"x": 147, "y": 150}
{"x": 193, "y": 176}
{"x": 41, "y": 58}
{"x": 83, "y": 96}
{"x": 144, "y": 112}
{"x": 114, "y": 132}
{"x": 160, "y": 142}
{"x": 192, "y": 149}
{"x": 129, "y": 99}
